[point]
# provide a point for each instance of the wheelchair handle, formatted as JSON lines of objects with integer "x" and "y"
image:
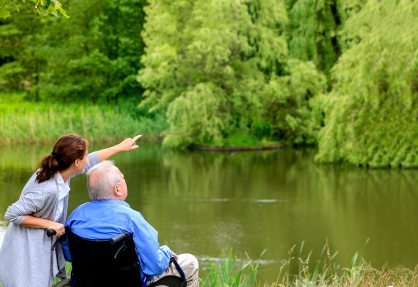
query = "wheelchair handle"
{"x": 50, "y": 232}
{"x": 118, "y": 238}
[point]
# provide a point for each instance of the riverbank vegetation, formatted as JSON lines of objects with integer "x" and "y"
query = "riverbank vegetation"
{"x": 338, "y": 75}
{"x": 371, "y": 111}
{"x": 303, "y": 271}
{"x": 28, "y": 122}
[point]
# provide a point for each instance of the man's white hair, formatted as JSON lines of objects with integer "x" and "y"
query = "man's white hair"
{"x": 101, "y": 179}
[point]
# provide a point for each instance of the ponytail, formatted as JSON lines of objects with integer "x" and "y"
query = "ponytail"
{"x": 66, "y": 150}
{"x": 49, "y": 166}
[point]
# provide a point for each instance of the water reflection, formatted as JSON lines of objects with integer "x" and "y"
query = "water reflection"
{"x": 204, "y": 203}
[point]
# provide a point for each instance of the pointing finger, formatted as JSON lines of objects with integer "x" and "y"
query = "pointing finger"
{"x": 137, "y": 137}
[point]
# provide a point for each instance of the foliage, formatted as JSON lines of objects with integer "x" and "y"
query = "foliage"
{"x": 93, "y": 56}
{"x": 313, "y": 30}
{"x": 225, "y": 71}
{"x": 371, "y": 113}
{"x": 99, "y": 56}
{"x": 42, "y": 7}
{"x": 300, "y": 270}
{"x": 25, "y": 122}
{"x": 228, "y": 274}
{"x": 23, "y": 53}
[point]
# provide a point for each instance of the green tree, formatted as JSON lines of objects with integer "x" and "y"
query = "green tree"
{"x": 95, "y": 55}
{"x": 371, "y": 112}
{"x": 314, "y": 30}
{"x": 22, "y": 53}
{"x": 220, "y": 71}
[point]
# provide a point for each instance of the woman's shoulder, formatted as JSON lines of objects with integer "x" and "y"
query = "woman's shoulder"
{"x": 48, "y": 186}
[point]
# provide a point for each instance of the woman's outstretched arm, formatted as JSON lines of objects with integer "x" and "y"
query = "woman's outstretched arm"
{"x": 128, "y": 144}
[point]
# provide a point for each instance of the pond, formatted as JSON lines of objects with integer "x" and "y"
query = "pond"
{"x": 204, "y": 203}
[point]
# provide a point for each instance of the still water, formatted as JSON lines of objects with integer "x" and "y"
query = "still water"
{"x": 204, "y": 203}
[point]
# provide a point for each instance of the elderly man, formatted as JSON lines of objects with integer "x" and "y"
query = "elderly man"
{"x": 109, "y": 215}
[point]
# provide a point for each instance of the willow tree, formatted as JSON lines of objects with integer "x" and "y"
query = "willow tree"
{"x": 371, "y": 113}
{"x": 220, "y": 70}
{"x": 314, "y": 29}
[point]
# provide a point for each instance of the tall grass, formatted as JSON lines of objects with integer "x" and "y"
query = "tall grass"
{"x": 25, "y": 122}
{"x": 229, "y": 274}
{"x": 298, "y": 270}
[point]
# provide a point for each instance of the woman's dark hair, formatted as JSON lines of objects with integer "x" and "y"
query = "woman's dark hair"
{"x": 66, "y": 150}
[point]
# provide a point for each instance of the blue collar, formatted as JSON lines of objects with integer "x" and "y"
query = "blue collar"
{"x": 111, "y": 201}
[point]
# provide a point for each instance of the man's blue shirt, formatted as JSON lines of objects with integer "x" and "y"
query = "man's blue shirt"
{"x": 104, "y": 219}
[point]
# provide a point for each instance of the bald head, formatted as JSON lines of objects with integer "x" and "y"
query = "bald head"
{"x": 101, "y": 180}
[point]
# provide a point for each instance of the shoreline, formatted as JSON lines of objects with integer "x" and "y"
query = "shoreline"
{"x": 236, "y": 148}
{"x": 109, "y": 139}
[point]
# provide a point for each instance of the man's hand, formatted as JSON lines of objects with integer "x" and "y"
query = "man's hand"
{"x": 174, "y": 255}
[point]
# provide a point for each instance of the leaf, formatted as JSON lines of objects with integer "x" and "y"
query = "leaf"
{"x": 4, "y": 13}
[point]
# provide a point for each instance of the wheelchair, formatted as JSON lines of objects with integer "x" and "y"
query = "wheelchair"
{"x": 109, "y": 263}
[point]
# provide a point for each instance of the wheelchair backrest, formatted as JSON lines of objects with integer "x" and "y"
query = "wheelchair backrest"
{"x": 110, "y": 262}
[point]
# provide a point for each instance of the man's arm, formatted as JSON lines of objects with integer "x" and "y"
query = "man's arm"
{"x": 154, "y": 258}
{"x": 174, "y": 255}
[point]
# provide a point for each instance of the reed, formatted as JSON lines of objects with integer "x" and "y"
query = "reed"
{"x": 228, "y": 273}
{"x": 25, "y": 122}
{"x": 298, "y": 270}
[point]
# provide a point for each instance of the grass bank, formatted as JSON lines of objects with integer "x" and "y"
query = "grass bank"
{"x": 28, "y": 122}
{"x": 297, "y": 271}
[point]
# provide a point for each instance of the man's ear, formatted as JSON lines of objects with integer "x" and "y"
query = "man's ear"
{"x": 76, "y": 162}
{"x": 117, "y": 191}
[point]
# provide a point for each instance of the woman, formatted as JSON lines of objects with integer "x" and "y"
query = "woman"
{"x": 27, "y": 256}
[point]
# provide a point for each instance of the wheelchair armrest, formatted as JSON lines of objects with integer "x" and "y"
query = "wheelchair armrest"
{"x": 169, "y": 280}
